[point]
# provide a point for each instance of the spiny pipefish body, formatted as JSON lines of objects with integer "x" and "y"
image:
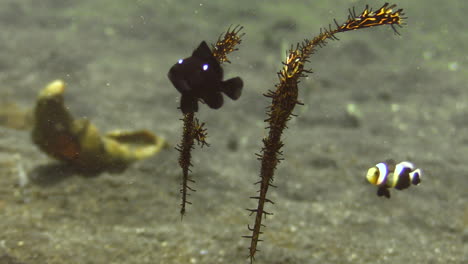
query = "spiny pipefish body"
{"x": 200, "y": 78}
{"x": 383, "y": 16}
{"x": 285, "y": 97}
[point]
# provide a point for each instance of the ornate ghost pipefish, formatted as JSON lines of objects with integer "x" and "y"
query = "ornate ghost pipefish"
{"x": 200, "y": 78}
{"x": 285, "y": 97}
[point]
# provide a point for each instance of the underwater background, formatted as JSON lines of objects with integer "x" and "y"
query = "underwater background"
{"x": 373, "y": 95}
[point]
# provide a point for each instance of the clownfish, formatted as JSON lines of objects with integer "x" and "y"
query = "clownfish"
{"x": 200, "y": 77}
{"x": 389, "y": 174}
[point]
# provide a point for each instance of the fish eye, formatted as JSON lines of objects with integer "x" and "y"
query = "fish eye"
{"x": 205, "y": 67}
{"x": 180, "y": 61}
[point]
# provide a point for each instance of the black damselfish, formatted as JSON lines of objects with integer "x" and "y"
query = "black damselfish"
{"x": 201, "y": 77}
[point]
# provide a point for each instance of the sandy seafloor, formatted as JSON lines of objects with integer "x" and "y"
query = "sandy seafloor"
{"x": 410, "y": 98}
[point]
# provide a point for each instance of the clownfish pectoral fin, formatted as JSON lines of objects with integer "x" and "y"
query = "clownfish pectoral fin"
{"x": 214, "y": 100}
{"x": 203, "y": 51}
{"x": 383, "y": 192}
{"x": 188, "y": 104}
{"x": 232, "y": 87}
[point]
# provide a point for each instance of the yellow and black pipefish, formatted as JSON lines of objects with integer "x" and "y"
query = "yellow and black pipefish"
{"x": 389, "y": 174}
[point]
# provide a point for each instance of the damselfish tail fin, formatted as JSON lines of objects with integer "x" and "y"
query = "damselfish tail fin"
{"x": 233, "y": 87}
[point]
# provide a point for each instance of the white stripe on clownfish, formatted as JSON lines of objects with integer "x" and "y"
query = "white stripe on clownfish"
{"x": 383, "y": 174}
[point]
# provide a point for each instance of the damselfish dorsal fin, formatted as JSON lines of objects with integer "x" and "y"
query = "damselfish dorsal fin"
{"x": 203, "y": 51}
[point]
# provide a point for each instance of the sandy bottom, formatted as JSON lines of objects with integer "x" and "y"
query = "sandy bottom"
{"x": 373, "y": 95}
